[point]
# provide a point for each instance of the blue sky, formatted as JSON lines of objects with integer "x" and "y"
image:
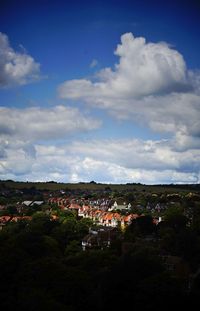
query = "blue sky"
{"x": 100, "y": 90}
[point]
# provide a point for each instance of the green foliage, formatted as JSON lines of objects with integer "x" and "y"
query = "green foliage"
{"x": 72, "y": 248}
{"x": 125, "y": 277}
{"x": 175, "y": 219}
{"x": 3, "y": 201}
{"x": 41, "y": 224}
{"x": 141, "y": 226}
{"x": 129, "y": 197}
{"x": 11, "y": 210}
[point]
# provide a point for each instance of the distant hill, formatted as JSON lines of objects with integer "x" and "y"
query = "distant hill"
{"x": 52, "y": 185}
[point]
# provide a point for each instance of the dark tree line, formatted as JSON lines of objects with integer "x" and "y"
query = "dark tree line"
{"x": 42, "y": 266}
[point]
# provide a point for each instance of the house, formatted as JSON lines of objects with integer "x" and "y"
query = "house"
{"x": 101, "y": 238}
{"x": 38, "y": 203}
{"x": 120, "y": 207}
{"x": 126, "y": 220}
{"x": 27, "y": 203}
{"x": 82, "y": 211}
{"x": 110, "y": 219}
{"x": 31, "y": 203}
{"x": 74, "y": 206}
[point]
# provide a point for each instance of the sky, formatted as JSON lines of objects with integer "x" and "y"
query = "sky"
{"x": 100, "y": 90}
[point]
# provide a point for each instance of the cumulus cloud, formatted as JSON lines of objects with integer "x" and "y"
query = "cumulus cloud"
{"x": 42, "y": 123}
{"x": 143, "y": 69}
{"x": 150, "y": 84}
{"x": 16, "y": 68}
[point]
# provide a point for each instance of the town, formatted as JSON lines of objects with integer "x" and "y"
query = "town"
{"x": 92, "y": 230}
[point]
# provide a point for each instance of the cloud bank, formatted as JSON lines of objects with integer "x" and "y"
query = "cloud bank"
{"x": 107, "y": 161}
{"x": 37, "y": 123}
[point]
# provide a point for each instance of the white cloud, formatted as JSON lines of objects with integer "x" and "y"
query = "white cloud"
{"x": 93, "y": 63}
{"x": 144, "y": 69}
{"x": 16, "y": 68}
{"x": 141, "y": 155}
{"x": 120, "y": 161}
{"x": 22, "y": 129}
{"x": 150, "y": 84}
{"x": 115, "y": 161}
{"x": 41, "y": 123}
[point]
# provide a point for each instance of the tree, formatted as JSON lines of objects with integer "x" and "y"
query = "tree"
{"x": 3, "y": 201}
{"x": 72, "y": 248}
{"x": 145, "y": 225}
{"x": 12, "y": 210}
{"x": 129, "y": 197}
{"x": 175, "y": 219}
{"x": 124, "y": 278}
{"x": 42, "y": 224}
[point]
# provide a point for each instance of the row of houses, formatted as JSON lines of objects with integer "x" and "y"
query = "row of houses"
{"x": 101, "y": 216}
{"x": 104, "y": 218}
{"x": 103, "y": 204}
{"x": 65, "y": 201}
{"x": 109, "y": 217}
